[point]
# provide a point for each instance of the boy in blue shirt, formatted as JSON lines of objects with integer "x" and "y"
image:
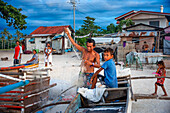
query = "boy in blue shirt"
{"x": 109, "y": 67}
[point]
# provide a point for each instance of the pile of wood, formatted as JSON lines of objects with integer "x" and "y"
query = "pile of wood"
{"x": 27, "y": 98}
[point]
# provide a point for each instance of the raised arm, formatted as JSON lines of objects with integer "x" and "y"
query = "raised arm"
{"x": 80, "y": 48}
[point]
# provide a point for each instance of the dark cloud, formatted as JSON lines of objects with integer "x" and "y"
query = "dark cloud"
{"x": 60, "y": 12}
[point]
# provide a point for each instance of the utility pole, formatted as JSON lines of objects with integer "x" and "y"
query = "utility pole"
{"x": 73, "y": 2}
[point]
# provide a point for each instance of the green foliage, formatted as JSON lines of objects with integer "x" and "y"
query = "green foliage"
{"x": 88, "y": 27}
{"x": 82, "y": 41}
{"x": 7, "y": 40}
{"x": 19, "y": 34}
{"x": 12, "y": 16}
{"x": 127, "y": 22}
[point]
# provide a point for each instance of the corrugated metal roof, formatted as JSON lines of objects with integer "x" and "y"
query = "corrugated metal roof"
{"x": 58, "y": 36}
{"x": 32, "y": 40}
{"x": 138, "y": 34}
{"x": 49, "y": 30}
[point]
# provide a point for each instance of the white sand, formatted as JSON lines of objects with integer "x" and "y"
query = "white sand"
{"x": 65, "y": 75}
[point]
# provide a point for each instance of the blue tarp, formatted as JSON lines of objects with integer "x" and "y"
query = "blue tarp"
{"x": 32, "y": 40}
{"x": 58, "y": 36}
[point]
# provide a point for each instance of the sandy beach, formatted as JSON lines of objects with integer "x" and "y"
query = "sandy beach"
{"x": 65, "y": 72}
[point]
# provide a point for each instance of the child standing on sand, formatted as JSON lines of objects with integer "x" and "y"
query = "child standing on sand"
{"x": 160, "y": 81}
{"x": 48, "y": 54}
{"x": 110, "y": 77}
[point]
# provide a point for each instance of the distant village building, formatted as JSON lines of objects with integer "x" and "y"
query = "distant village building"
{"x": 140, "y": 33}
{"x": 147, "y": 27}
{"x": 54, "y": 34}
{"x": 157, "y": 19}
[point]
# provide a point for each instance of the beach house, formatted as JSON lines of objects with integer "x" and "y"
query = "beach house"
{"x": 53, "y": 34}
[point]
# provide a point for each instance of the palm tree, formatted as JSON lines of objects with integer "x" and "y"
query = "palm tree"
{"x": 19, "y": 34}
{"x": 2, "y": 38}
{"x": 6, "y": 33}
{"x": 9, "y": 38}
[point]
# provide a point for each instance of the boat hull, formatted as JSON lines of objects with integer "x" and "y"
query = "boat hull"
{"x": 118, "y": 100}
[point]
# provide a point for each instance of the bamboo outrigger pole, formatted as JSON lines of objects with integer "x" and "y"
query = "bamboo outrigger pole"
{"x": 143, "y": 77}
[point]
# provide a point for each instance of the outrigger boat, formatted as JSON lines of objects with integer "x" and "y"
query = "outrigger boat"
{"x": 27, "y": 65}
{"x": 118, "y": 100}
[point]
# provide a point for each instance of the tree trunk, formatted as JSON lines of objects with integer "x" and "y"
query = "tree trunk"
{"x": 8, "y": 44}
{"x": 11, "y": 43}
{"x": 2, "y": 43}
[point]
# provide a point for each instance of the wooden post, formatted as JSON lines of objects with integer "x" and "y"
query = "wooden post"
{"x": 158, "y": 40}
{"x": 63, "y": 45}
{"x": 156, "y": 45}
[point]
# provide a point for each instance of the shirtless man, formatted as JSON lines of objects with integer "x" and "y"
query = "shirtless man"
{"x": 90, "y": 58}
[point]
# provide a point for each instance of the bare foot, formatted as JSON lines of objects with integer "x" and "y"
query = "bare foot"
{"x": 165, "y": 95}
{"x": 154, "y": 94}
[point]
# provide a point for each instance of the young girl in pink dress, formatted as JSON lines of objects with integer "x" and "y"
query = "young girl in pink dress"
{"x": 160, "y": 81}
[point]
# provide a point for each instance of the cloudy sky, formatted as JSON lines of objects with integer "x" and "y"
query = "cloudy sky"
{"x": 60, "y": 12}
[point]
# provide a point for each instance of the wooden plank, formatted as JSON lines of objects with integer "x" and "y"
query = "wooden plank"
{"x": 36, "y": 104}
{"x": 145, "y": 96}
{"x": 149, "y": 96}
{"x": 108, "y": 104}
{"x": 15, "y": 76}
{"x": 164, "y": 98}
{"x": 14, "y": 103}
{"x": 114, "y": 89}
{"x": 123, "y": 82}
{"x": 6, "y": 80}
{"x": 12, "y": 73}
{"x": 4, "y": 110}
{"x": 157, "y": 56}
{"x": 10, "y": 70}
{"x": 120, "y": 77}
{"x": 11, "y": 106}
{"x": 145, "y": 77}
{"x": 36, "y": 98}
{"x": 149, "y": 77}
{"x": 116, "y": 94}
{"x": 34, "y": 91}
{"x": 52, "y": 104}
{"x": 74, "y": 105}
{"x": 36, "y": 85}
{"x": 36, "y": 69}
